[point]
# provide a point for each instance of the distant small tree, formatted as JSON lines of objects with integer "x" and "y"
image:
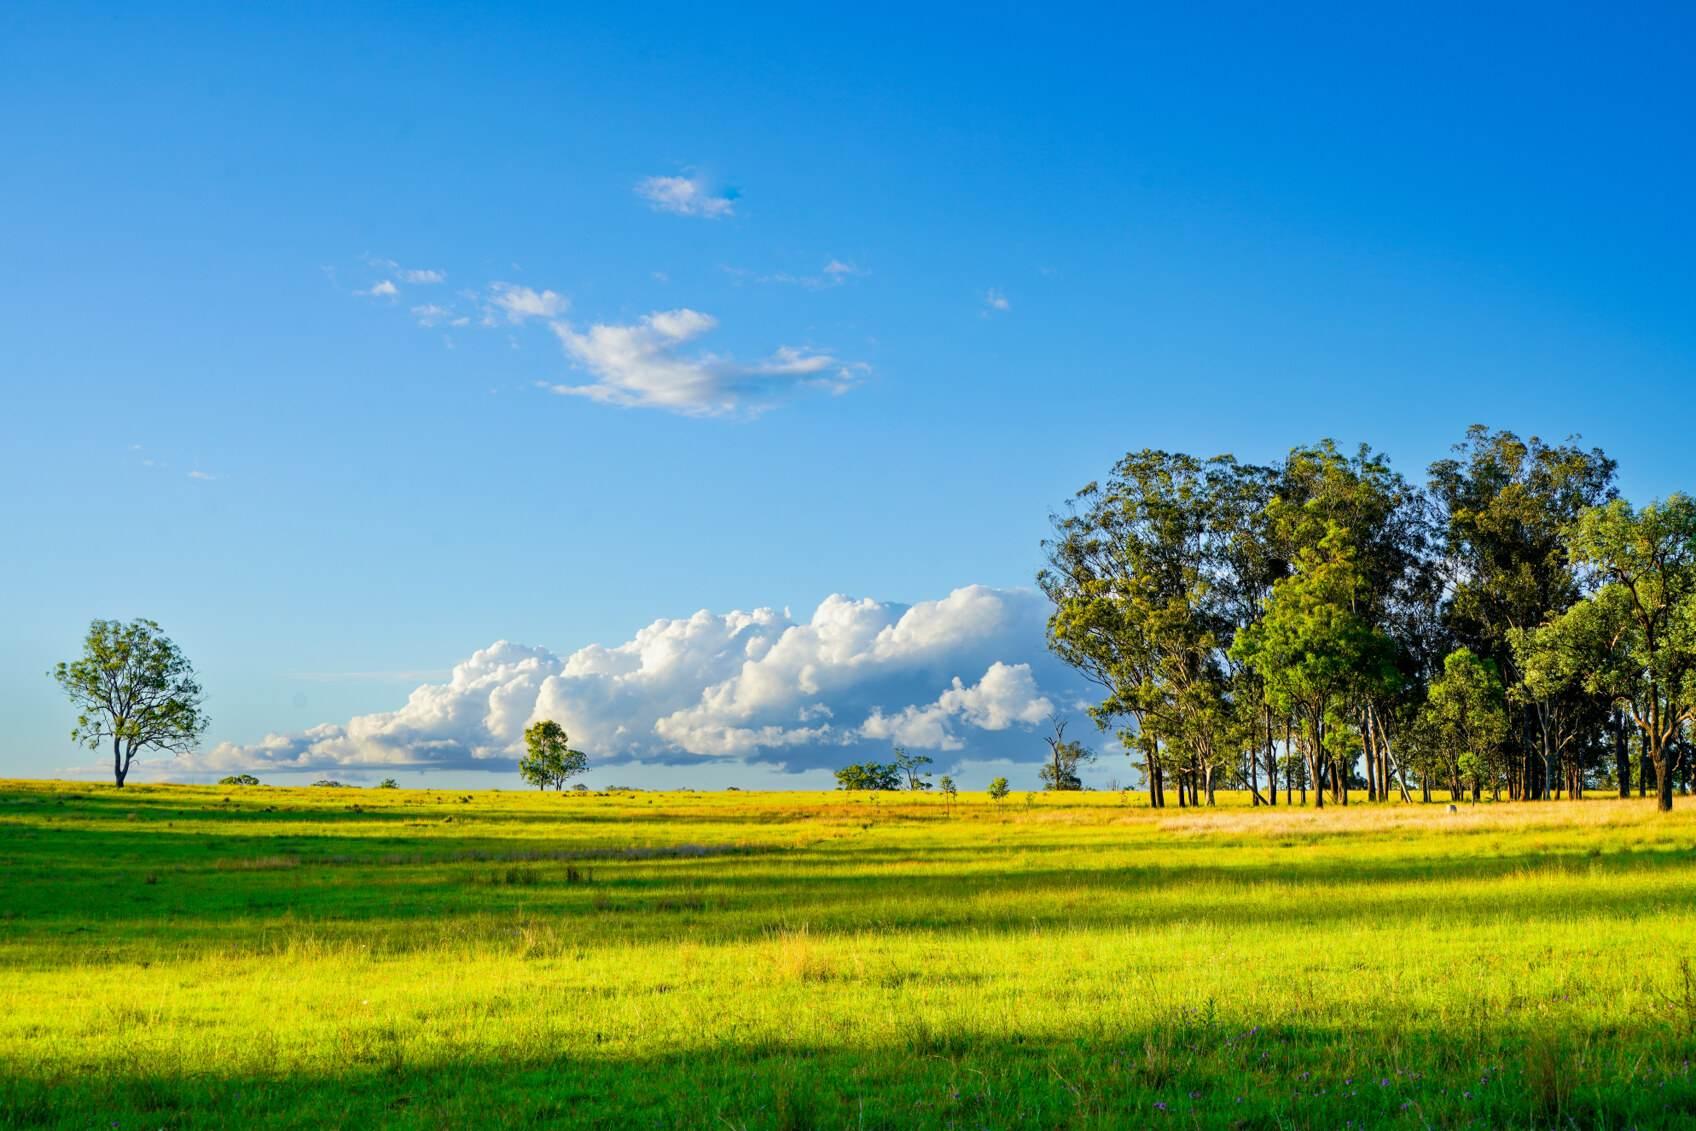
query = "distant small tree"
{"x": 998, "y": 789}
{"x": 949, "y": 792}
{"x": 239, "y": 779}
{"x": 134, "y": 688}
{"x": 911, "y": 767}
{"x": 868, "y": 776}
{"x": 388, "y": 783}
{"x": 1060, "y": 772}
{"x": 548, "y": 756}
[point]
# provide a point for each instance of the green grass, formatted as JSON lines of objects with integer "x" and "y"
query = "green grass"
{"x": 195, "y": 956}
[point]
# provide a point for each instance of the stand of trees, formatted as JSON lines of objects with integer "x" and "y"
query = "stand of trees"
{"x": 907, "y": 771}
{"x": 1511, "y": 627}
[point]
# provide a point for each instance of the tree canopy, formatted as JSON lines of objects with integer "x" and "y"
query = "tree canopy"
{"x": 1327, "y": 621}
{"x": 133, "y": 690}
{"x": 548, "y": 757}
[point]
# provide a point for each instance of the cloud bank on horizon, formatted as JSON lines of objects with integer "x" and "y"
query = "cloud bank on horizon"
{"x": 967, "y": 675}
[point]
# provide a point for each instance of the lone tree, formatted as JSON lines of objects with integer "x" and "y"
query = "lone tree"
{"x": 548, "y": 756}
{"x": 1060, "y": 772}
{"x": 998, "y": 789}
{"x": 912, "y": 768}
{"x": 134, "y": 688}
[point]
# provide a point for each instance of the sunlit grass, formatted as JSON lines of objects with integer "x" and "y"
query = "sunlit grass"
{"x": 180, "y": 956}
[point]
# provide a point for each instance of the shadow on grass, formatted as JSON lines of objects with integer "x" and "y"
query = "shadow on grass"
{"x": 132, "y": 885}
{"x": 1194, "y": 1069}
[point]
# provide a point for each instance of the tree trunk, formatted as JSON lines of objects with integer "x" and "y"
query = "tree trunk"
{"x": 1371, "y": 755}
{"x": 120, "y": 766}
{"x": 1317, "y": 767}
{"x": 1643, "y": 767}
{"x": 1663, "y": 783}
{"x": 1622, "y": 754}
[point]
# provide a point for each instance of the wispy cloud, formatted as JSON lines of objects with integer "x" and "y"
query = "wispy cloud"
{"x": 995, "y": 303}
{"x": 652, "y": 362}
{"x": 834, "y": 273}
{"x": 686, "y": 196}
{"x": 416, "y": 275}
{"x": 517, "y": 303}
{"x": 430, "y": 314}
{"x": 643, "y": 365}
{"x": 202, "y": 475}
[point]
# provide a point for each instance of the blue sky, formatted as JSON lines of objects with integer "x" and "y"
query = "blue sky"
{"x": 939, "y": 270}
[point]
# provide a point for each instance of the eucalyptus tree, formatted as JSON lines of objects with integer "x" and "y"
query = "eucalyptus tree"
{"x": 1138, "y": 571}
{"x": 1316, "y": 651}
{"x": 1249, "y": 561}
{"x": 1467, "y": 709}
{"x": 548, "y": 757}
{"x": 1060, "y": 770}
{"x": 134, "y": 689}
{"x": 1573, "y": 725}
{"x": 1639, "y": 626}
{"x": 1507, "y": 507}
{"x": 874, "y": 776}
{"x": 911, "y": 767}
{"x": 1359, "y": 502}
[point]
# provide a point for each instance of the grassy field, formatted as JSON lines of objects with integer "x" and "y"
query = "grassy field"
{"x": 195, "y": 956}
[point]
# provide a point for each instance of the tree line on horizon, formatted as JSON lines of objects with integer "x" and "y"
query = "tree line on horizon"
{"x": 1512, "y": 625}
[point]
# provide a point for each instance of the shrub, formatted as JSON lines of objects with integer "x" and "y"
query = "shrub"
{"x": 239, "y": 779}
{"x": 388, "y": 783}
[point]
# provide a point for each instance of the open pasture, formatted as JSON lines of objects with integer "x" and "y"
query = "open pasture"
{"x": 175, "y": 956}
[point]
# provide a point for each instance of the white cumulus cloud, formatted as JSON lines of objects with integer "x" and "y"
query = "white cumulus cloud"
{"x": 684, "y": 196}
{"x": 1004, "y": 697}
{"x": 642, "y": 364}
{"x": 966, "y": 673}
{"x": 519, "y": 303}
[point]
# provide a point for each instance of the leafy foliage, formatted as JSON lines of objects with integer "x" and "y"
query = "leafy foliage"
{"x": 1060, "y": 770}
{"x": 869, "y": 776}
{"x": 135, "y": 689}
{"x": 548, "y": 757}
